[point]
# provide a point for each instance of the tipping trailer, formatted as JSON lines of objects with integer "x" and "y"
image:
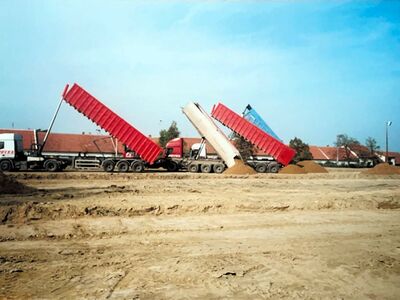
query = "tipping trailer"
{"x": 141, "y": 151}
{"x": 209, "y": 131}
{"x": 146, "y": 151}
{"x": 252, "y": 116}
{"x": 280, "y": 152}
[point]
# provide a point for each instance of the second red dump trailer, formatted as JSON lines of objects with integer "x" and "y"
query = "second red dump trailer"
{"x": 280, "y": 152}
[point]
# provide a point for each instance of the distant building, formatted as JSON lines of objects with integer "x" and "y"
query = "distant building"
{"x": 393, "y": 157}
{"x": 103, "y": 145}
{"x": 354, "y": 155}
{"x": 70, "y": 144}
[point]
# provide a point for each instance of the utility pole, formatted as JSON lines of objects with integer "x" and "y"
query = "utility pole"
{"x": 388, "y": 123}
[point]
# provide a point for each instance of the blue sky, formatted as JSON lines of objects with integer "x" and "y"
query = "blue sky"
{"x": 312, "y": 69}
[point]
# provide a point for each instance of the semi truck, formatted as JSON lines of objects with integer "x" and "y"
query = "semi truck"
{"x": 209, "y": 131}
{"x": 281, "y": 154}
{"x": 141, "y": 151}
{"x": 278, "y": 153}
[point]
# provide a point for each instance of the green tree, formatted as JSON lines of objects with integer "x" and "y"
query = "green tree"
{"x": 302, "y": 150}
{"x": 371, "y": 144}
{"x": 168, "y": 134}
{"x": 345, "y": 141}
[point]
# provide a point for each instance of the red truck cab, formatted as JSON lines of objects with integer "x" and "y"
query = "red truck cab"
{"x": 174, "y": 148}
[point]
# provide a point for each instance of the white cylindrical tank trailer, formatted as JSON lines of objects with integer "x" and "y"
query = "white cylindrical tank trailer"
{"x": 210, "y": 131}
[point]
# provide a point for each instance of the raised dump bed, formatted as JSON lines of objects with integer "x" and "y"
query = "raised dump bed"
{"x": 282, "y": 153}
{"x": 210, "y": 131}
{"x": 117, "y": 127}
{"x": 253, "y": 117}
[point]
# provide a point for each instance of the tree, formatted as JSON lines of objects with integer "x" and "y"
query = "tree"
{"x": 343, "y": 140}
{"x": 246, "y": 149}
{"x": 371, "y": 144}
{"x": 168, "y": 134}
{"x": 302, "y": 150}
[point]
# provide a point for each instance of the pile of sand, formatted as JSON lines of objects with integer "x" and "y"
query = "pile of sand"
{"x": 11, "y": 186}
{"x": 311, "y": 167}
{"x": 292, "y": 169}
{"x": 383, "y": 169}
{"x": 240, "y": 168}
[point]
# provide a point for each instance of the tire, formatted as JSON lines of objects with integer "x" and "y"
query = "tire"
{"x": 137, "y": 166}
{"x": 261, "y": 168}
{"x": 273, "y": 168}
{"x": 123, "y": 166}
{"x": 219, "y": 168}
{"x": 5, "y": 165}
{"x": 206, "y": 168}
{"x": 193, "y": 168}
{"x": 108, "y": 165}
{"x": 51, "y": 165}
{"x": 172, "y": 166}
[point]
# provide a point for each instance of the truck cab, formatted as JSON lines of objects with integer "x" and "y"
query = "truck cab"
{"x": 11, "y": 150}
{"x": 175, "y": 149}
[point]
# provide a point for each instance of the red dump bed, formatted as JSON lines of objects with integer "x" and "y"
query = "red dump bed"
{"x": 253, "y": 134}
{"x": 117, "y": 127}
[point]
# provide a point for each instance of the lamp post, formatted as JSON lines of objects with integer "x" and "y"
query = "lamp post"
{"x": 388, "y": 123}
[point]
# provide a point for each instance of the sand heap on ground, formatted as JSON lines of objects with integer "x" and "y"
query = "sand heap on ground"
{"x": 11, "y": 186}
{"x": 292, "y": 169}
{"x": 382, "y": 169}
{"x": 240, "y": 168}
{"x": 311, "y": 167}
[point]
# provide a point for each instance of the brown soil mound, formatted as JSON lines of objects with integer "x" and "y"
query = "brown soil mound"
{"x": 11, "y": 186}
{"x": 311, "y": 167}
{"x": 383, "y": 169}
{"x": 292, "y": 169}
{"x": 240, "y": 168}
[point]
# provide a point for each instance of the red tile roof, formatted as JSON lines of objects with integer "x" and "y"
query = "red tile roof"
{"x": 331, "y": 153}
{"x": 68, "y": 143}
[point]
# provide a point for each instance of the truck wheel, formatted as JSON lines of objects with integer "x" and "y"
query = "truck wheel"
{"x": 193, "y": 168}
{"x": 108, "y": 165}
{"x": 218, "y": 168}
{"x": 205, "y": 168}
{"x": 172, "y": 166}
{"x": 51, "y": 165}
{"x": 261, "y": 168}
{"x": 5, "y": 165}
{"x": 137, "y": 167}
{"x": 123, "y": 166}
{"x": 273, "y": 168}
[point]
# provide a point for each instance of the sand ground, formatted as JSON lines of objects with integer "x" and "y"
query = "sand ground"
{"x": 185, "y": 236}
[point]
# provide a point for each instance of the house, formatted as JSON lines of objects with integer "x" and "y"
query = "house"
{"x": 393, "y": 157}
{"x": 355, "y": 155}
{"x": 70, "y": 144}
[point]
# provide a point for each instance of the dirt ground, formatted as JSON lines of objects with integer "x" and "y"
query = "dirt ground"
{"x": 210, "y": 236}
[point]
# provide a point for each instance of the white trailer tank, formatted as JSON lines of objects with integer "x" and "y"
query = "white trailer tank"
{"x": 207, "y": 129}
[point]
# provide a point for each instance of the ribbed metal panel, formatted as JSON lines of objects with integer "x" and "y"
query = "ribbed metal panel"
{"x": 117, "y": 127}
{"x": 253, "y": 117}
{"x": 253, "y": 134}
